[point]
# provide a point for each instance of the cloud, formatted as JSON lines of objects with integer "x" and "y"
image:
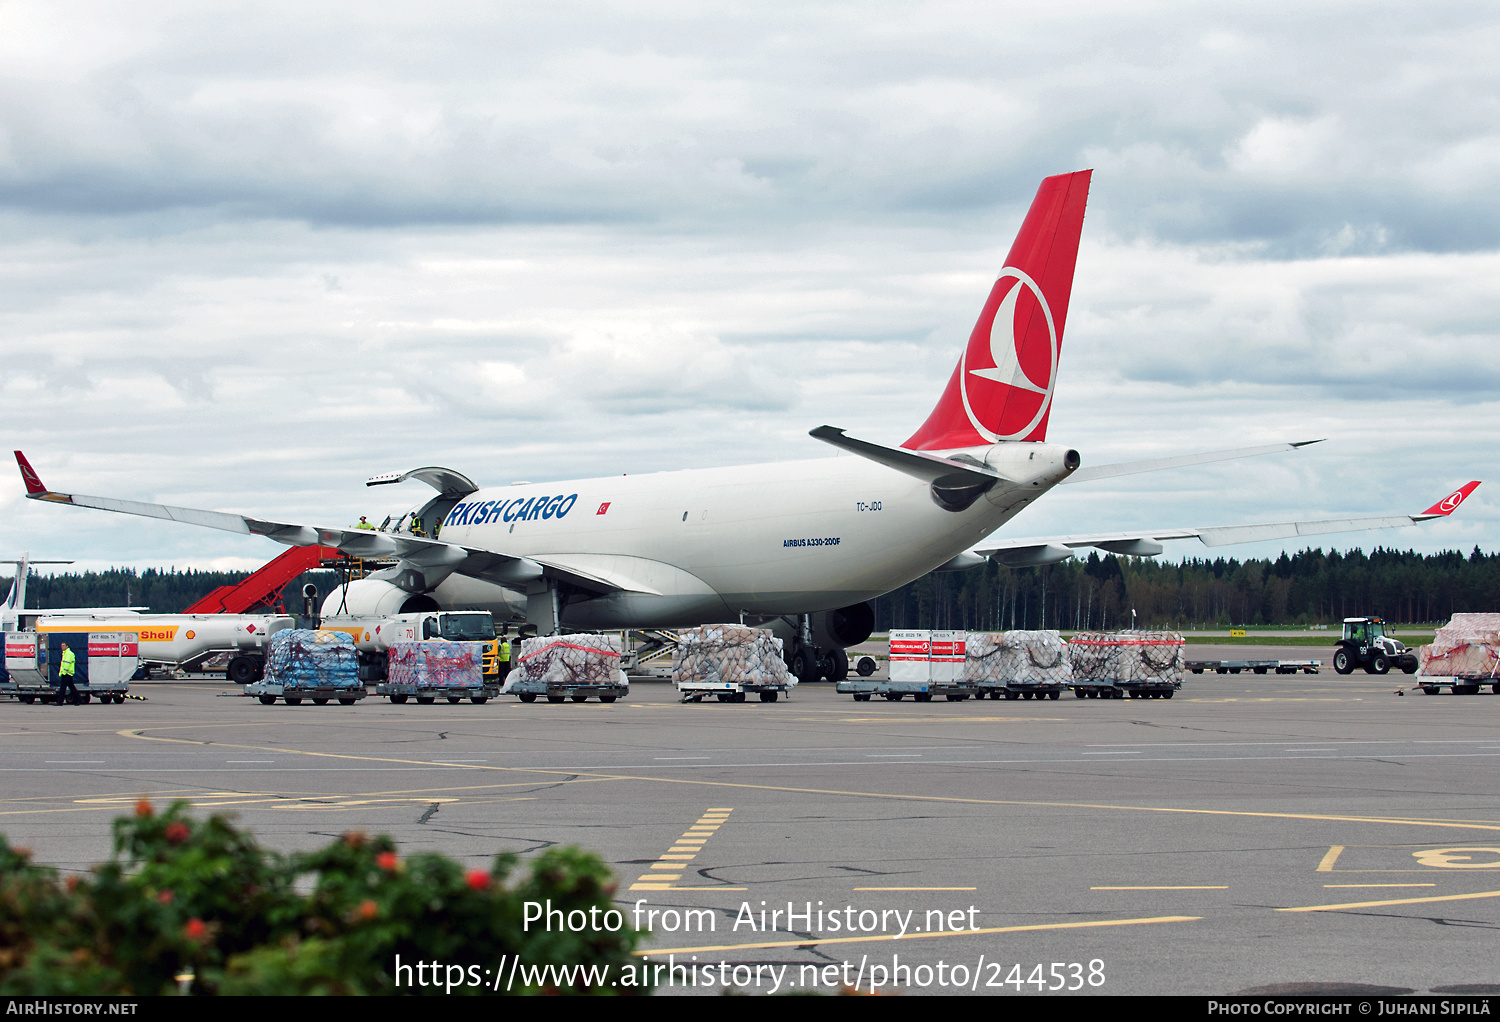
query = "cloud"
{"x": 250, "y": 256}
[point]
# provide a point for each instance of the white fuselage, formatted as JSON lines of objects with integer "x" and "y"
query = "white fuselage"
{"x": 708, "y": 544}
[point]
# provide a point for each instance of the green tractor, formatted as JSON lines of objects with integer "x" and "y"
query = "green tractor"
{"x": 1366, "y": 644}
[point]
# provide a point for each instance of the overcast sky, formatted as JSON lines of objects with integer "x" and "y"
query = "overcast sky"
{"x": 251, "y": 254}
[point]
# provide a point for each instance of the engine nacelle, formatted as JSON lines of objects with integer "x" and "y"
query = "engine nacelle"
{"x": 369, "y": 597}
{"x": 842, "y": 628}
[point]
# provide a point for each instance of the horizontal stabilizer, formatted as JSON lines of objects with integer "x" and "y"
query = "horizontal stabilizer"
{"x": 927, "y": 467}
{"x": 1126, "y": 468}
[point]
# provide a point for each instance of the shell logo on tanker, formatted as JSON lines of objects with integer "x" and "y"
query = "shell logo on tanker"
{"x": 163, "y": 634}
{"x": 527, "y": 509}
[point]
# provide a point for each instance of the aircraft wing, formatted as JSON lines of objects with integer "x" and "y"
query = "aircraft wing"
{"x": 1021, "y": 552}
{"x": 432, "y": 555}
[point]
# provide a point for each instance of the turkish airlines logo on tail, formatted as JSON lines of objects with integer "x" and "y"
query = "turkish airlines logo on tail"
{"x": 1452, "y": 501}
{"x": 1007, "y": 384}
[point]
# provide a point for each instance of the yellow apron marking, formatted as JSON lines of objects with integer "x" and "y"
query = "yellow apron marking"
{"x": 1397, "y": 901}
{"x": 1092, "y": 924}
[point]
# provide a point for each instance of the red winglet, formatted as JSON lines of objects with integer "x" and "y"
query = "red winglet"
{"x": 34, "y": 487}
{"x": 1450, "y": 503}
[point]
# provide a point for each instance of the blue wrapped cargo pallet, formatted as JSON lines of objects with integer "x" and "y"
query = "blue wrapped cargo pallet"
{"x": 310, "y": 664}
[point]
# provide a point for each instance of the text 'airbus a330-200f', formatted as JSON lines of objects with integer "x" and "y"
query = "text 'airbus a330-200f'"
{"x": 801, "y": 546}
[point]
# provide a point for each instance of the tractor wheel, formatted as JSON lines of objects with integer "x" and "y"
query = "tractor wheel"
{"x": 1379, "y": 664}
{"x": 1343, "y": 662}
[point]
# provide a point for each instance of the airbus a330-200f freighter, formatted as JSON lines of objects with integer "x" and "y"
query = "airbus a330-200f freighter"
{"x": 802, "y": 546}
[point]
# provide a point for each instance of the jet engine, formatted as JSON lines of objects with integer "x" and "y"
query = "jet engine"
{"x": 842, "y": 628}
{"x": 372, "y": 597}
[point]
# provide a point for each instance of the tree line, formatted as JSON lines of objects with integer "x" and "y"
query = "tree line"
{"x": 1310, "y": 587}
{"x": 166, "y": 591}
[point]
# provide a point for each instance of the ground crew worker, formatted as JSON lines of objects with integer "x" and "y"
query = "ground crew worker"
{"x": 65, "y": 677}
{"x": 416, "y": 527}
{"x": 504, "y": 657}
{"x": 364, "y": 524}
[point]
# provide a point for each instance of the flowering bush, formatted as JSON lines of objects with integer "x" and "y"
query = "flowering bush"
{"x": 199, "y": 898}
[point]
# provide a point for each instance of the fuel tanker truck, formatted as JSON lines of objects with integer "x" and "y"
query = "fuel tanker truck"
{"x": 184, "y": 641}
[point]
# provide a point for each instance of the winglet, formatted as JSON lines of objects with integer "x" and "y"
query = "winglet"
{"x": 1450, "y": 503}
{"x": 34, "y": 487}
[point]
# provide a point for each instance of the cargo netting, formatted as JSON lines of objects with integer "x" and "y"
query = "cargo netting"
{"x": 1017, "y": 658}
{"x": 730, "y": 653}
{"x": 1468, "y": 646}
{"x": 581, "y": 659}
{"x": 308, "y": 658}
{"x": 1127, "y": 656}
{"x": 436, "y": 664}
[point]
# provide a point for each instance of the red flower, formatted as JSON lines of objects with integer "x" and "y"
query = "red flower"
{"x": 368, "y": 909}
{"x": 177, "y": 832}
{"x": 165, "y": 897}
{"x": 143, "y": 807}
{"x": 478, "y": 879}
{"x": 387, "y": 861}
{"x": 195, "y": 929}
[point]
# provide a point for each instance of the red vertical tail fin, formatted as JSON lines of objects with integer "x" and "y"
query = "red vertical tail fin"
{"x": 1002, "y": 386}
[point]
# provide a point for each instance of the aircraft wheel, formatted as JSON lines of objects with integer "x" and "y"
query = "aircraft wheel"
{"x": 1379, "y": 665}
{"x": 321, "y": 701}
{"x": 293, "y": 700}
{"x": 768, "y": 697}
{"x": 1343, "y": 662}
{"x": 836, "y": 665}
{"x": 803, "y": 667}
{"x": 479, "y": 700}
{"x": 528, "y": 697}
{"x": 398, "y": 699}
{"x": 267, "y": 700}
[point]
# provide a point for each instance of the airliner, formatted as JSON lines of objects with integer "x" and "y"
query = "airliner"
{"x": 801, "y": 547}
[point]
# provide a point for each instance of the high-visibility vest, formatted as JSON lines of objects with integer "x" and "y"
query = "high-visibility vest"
{"x": 68, "y": 659}
{"x": 505, "y": 651}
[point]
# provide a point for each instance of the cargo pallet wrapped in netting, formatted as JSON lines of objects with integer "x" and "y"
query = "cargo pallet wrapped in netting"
{"x": 304, "y": 658}
{"x": 567, "y": 662}
{"x": 1022, "y": 658}
{"x": 1131, "y": 657}
{"x": 731, "y": 654}
{"x": 1466, "y": 647}
{"x": 436, "y": 664}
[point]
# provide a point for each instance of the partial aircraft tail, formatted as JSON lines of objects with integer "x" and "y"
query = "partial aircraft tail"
{"x": 1002, "y": 386}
